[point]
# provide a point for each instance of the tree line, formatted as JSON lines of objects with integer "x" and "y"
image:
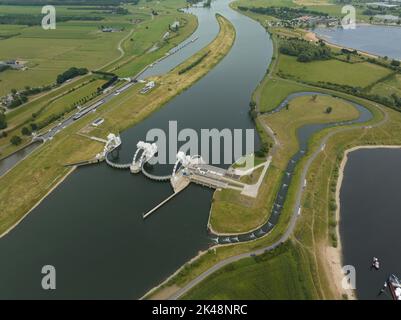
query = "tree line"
{"x": 283, "y": 13}
{"x": 304, "y": 50}
{"x": 71, "y": 73}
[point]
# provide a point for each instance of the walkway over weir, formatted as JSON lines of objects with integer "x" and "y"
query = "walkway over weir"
{"x": 116, "y": 165}
{"x": 154, "y": 177}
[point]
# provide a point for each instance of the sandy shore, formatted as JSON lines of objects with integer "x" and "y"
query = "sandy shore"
{"x": 312, "y": 36}
{"x": 333, "y": 255}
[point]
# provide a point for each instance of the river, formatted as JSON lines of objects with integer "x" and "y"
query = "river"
{"x": 370, "y": 217}
{"x": 379, "y": 40}
{"x": 91, "y": 228}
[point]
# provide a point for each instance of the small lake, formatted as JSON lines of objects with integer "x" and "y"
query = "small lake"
{"x": 379, "y": 40}
{"x": 370, "y": 218}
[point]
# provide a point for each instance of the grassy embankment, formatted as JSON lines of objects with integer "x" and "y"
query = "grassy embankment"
{"x": 233, "y": 212}
{"x": 316, "y": 229}
{"x": 256, "y": 278}
{"x": 35, "y": 176}
{"x": 146, "y": 32}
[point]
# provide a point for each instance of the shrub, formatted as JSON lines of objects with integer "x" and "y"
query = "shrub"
{"x": 26, "y": 131}
{"x": 15, "y": 140}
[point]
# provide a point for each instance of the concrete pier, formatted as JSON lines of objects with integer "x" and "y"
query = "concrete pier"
{"x": 147, "y": 214}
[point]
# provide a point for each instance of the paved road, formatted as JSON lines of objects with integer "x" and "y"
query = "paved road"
{"x": 294, "y": 216}
{"x": 92, "y": 108}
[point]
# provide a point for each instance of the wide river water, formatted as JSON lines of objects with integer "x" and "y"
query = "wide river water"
{"x": 91, "y": 228}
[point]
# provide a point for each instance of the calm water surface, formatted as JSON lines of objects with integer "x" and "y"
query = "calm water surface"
{"x": 371, "y": 217}
{"x": 380, "y": 40}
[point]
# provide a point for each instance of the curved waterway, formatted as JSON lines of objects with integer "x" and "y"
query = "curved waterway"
{"x": 379, "y": 40}
{"x": 370, "y": 218}
{"x": 91, "y": 228}
{"x": 304, "y": 134}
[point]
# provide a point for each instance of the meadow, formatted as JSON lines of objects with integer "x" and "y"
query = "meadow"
{"x": 388, "y": 87}
{"x": 333, "y": 71}
{"x": 50, "y": 52}
{"x": 272, "y": 276}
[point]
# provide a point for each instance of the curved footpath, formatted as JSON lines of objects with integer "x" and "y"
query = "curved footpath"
{"x": 293, "y": 220}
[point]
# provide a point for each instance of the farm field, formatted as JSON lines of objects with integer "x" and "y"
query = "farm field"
{"x": 388, "y": 87}
{"x": 82, "y": 44}
{"x": 333, "y": 71}
{"x": 48, "y": 53}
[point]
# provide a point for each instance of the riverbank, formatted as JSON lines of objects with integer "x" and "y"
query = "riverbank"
{"x": 33, "y": 179}
{"x": 315, "y": 37}
{"x": 58, "y": 181}
{"x": 334, "y": 255}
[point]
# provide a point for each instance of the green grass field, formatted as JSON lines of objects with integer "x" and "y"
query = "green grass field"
{"x": 275, "y": 91}
{"x": 272, "y": 276}
{"x": 80, "y": 43}
{"x": 334, "y": 71}
{"x": 50, "y": 52}
{"x": 388, "y": 87}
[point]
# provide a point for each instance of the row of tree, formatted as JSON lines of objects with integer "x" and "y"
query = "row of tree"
{"x": 71, "y": 73}
{"x": 193, "y": 64}
{"x": 3, "y": 121}
{"x": 283, "y": 13}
